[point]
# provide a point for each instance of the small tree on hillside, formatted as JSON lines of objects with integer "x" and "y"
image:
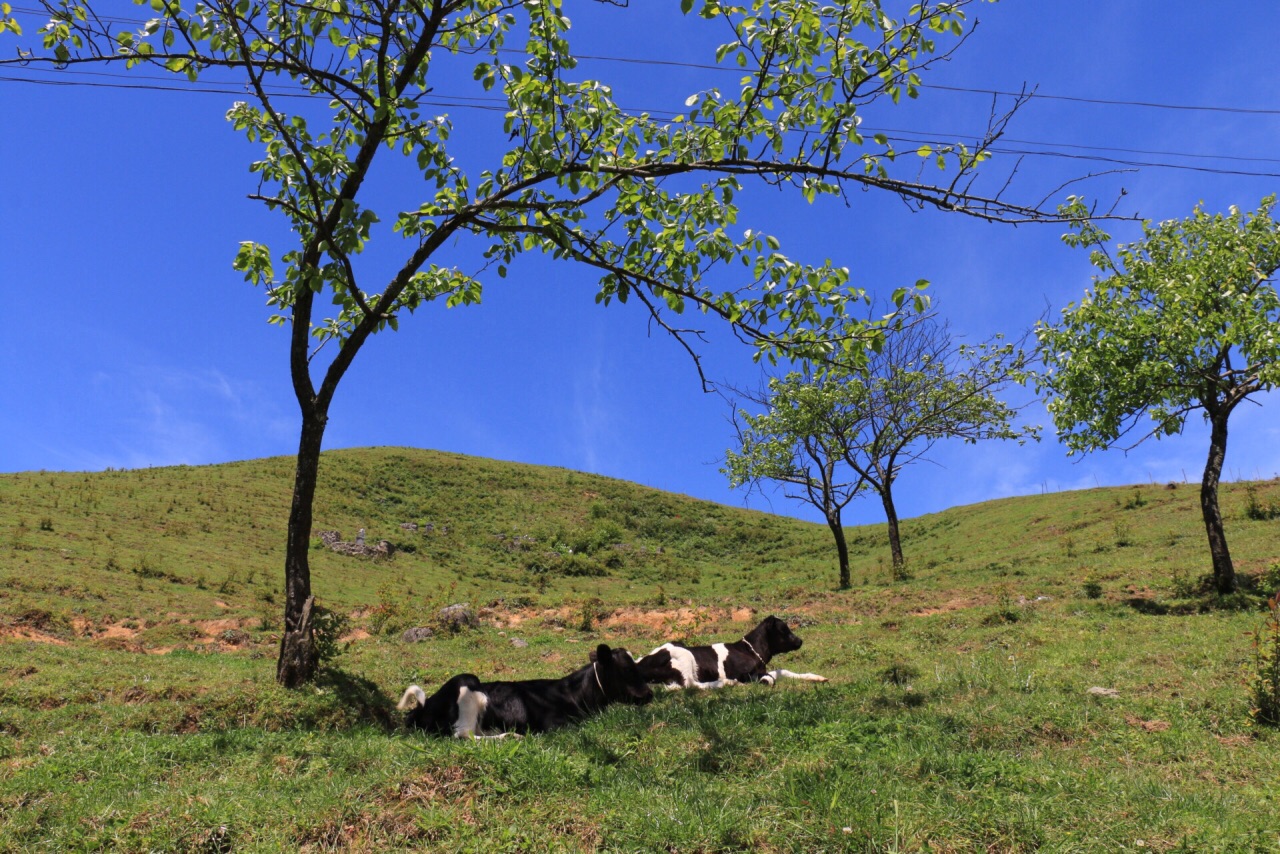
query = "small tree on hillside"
{"x": 1187, "y": 319}
{"x": 787, "y": 445}
{"x": 920, "y": 387}
{"x": 650, "y": 203}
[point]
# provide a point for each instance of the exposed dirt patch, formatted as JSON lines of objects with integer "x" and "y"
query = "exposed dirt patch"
{"x": 959, "y": 604}
{"x": 215, "y": 627}
{"x": 24, "y": 633}
{"x": 1146, "y": 726}
{"x": 116, "y": 631}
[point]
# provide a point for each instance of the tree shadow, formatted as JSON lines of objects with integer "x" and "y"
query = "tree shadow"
{"x": 363, "y": 699}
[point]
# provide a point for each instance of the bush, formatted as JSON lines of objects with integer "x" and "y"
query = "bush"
{"x": 1269, "y": 580}
{"x": 570, "y": 566}
{"x": 1263, "y": 679}
{"x": 1256, "y": 510}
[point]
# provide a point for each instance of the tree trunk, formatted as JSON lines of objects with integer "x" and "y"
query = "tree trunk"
{"x": 1224, "y": 574}
{"x": 842, "y": 548}
{"x": 895, "y": 538}
{"x": 298, "y": 661}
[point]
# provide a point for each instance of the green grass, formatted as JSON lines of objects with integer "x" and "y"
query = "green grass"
{"x": 138, "y": 710}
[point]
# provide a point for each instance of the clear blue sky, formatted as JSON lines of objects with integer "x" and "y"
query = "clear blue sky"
{"x": 130, "y": 341}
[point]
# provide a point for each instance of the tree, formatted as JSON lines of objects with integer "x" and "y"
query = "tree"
{"x": 787, "y": 444}
{"x": 647, "y": 202}
{"x": 917, "y": 388}
{"x": 1183, "y": 320}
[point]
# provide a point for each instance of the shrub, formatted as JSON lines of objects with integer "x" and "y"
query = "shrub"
{"x": 1263, "y": 679}
{"x": 1256, "y": 510}
{"x": 1092, "y": 588}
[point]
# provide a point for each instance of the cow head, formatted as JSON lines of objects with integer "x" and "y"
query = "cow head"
{"x": 776, "y": 636}
{"x": 621, "y": 680}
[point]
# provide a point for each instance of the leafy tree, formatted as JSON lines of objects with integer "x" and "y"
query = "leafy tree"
{"x": 648, "y": 202}
{"x": 1186, "y": 319}
{"x": 918, "y": 387}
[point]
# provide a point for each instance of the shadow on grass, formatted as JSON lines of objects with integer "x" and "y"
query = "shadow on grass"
{"x": 364, "y": 701}
{"x": 1243, "y": 600}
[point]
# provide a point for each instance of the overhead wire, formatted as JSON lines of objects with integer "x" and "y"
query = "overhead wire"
{"x": 1097, "y": 154}
{"x": 700, "y": 66}
{"x": 1093, "y": 153}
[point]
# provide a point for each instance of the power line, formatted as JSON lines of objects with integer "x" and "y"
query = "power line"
{"x": 1079, "y": 99}
{"x": 897, "y": 135}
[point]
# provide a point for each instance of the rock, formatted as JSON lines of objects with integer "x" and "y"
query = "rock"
{"x": 457, "y": 617}
{"x": 1103, "y": 692}
{"x": 519, "y": 643}
{"x": 234, "y": 637}
{"x": 415, "y": 635}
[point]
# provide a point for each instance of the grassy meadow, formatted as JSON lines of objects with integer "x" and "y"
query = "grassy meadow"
{"x": 1050, "y": 677}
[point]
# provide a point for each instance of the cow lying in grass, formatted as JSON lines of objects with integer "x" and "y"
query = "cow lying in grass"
{"x": 465, "y": 707}
{"x": 678, "y": 666}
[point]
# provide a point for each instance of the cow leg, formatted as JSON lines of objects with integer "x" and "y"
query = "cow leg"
{"x": 710, "y": 686}
{"x": 774, "y": 675}
{"x": 471, "y": 706}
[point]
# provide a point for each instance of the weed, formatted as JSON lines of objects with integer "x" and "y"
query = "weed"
{"x": 1183, "y": 585}
{"x": 390, "y": 615}
{"x": 899, "y": 674}
{"x": 329, "y": 626}
{"x": 590, "y": 611}
{"x": 1138, "y": 500}
{"x": 1123, "y": 534}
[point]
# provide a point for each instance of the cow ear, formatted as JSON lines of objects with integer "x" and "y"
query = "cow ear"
{"x": 602, "y": 654}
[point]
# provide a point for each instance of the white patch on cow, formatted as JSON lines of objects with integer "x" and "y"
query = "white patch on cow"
{"x": 722, "y": 655}
{"x": 412, "y": 698}
{"x": 685, "y": 664}
{"x": 471, "y": 706}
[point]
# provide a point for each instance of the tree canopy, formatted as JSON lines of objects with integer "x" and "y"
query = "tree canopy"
{"x": 1185, "y": 320}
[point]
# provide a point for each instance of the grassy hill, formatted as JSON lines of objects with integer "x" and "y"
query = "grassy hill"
{"x": 139, "y": 610}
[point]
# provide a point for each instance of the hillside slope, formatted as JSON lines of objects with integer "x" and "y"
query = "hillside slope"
{"x": 206, "y": 543}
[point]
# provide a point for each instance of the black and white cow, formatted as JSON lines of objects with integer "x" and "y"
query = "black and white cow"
{"x": 678, "y": 666}
{"x": 465, "y": 707}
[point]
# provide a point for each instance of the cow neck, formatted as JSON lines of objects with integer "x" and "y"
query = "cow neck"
{"x": 759, "y": 657}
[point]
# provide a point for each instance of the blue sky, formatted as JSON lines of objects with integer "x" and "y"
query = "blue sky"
{"x": 131, "y": 342}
